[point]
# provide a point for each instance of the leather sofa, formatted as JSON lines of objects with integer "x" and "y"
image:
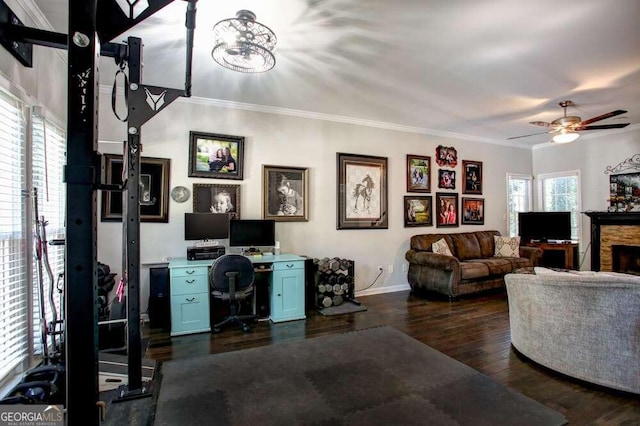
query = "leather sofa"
{"x": 473, "y": 267}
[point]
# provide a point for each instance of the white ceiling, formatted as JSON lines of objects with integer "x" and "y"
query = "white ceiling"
{"x": 471, "y": 68}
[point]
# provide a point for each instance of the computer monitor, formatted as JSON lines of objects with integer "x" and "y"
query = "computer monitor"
{"x": 544, "y": 226}
{"x": 206, "y": 226}
{"x": 252, "y": 232}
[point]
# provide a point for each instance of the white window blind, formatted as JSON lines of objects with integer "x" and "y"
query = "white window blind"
{"x": 519, "y": 199}
{"x": 48, "y": 160}
{"x": 14, "y": 266}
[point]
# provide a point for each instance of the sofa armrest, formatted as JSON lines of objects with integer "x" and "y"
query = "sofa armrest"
{"x": 534, "y": 254}
{"x": 433, "y": 260}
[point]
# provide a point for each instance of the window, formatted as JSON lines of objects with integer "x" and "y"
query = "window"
{"x": 560, "y": 192}
{"x": 14, "y": 240}
{"x": 519, "y": 199}
{"x": 48, "y": 160}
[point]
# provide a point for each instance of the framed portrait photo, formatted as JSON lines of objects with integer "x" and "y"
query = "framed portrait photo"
{"x": 154, "y": 189}
{"x": 285, "y": 193}
{"x": 418, "y": 173}
{"x": 447, "y": 210}
{"x": 418, "y": 210}
{"x": 472, "y": 176}
{"x": 361, "y": 191}
{"x": 472, "y": 211}
{"x": 216, "y": 156}
{"x": 446, "y": 179}
{"x": 446, "y": 156}
{"x": 216, "y": 198}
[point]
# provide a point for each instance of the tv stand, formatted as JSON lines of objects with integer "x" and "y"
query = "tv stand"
{"x": 562, "y": 254}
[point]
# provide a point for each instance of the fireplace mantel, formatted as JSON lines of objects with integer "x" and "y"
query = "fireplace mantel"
{"x": 600, "y": 219}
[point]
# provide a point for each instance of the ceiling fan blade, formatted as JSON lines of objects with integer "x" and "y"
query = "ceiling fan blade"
{"x": 525, "y": 136}
{"x": 604, "y": 126}
{"x": 603, "y": 116}
{"x": 540, "y": 123}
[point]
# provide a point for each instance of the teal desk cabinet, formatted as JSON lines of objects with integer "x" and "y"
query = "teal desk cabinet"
{"x": 190, "y": 291}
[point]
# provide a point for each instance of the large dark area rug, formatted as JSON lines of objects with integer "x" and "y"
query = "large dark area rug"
{"x": 377, "y": 376}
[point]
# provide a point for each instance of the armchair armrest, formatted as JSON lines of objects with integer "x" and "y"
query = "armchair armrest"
{"x": 433, "y": 272}
{"x": 534, "y": 254}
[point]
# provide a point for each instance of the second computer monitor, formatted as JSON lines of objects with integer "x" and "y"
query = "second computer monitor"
{"x": 252, "y": 233}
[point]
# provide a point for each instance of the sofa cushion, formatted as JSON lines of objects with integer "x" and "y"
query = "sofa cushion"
{"x": 466, "y": 245}
{"x": 441, "y": 247}
{"x": 519, "y": 262}
{"x": 423, "y": 242}
{"x": 507, "y": 246}
{"x": 496, "y": 265}
{"x": 487, "y": 243}
{"x": 470, "y": 270}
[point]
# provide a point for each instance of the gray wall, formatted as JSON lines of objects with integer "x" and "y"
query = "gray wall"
{"x": 285, "y": 140}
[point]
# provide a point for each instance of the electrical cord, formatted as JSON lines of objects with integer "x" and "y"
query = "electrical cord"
{"x": 380, "y": 270}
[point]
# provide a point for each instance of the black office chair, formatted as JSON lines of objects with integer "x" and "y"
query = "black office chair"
{"x": 231, "y": 279}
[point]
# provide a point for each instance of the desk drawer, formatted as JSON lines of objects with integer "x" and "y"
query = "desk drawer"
{"x": 287, "y": 266}
{"x": 190, "y": 271}
{"x": 189, "y": 284}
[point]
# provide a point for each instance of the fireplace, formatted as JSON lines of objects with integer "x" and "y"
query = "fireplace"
{"x": 609, "y": 229}
{"x": 625, "y": 259}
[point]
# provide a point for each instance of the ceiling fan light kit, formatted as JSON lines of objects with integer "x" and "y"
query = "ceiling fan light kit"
{"x": 244, "y": 45}
{"x": 568, "y": 126}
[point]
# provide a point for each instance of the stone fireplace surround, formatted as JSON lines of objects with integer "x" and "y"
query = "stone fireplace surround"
{"x": 609, "y": 229}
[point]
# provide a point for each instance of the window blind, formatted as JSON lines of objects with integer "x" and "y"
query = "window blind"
{"x": 519, "y": 199}
{"x": 47, "y": 164}
{"x": 14, "y": 300}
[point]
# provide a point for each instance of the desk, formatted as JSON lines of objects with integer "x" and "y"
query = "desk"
{"x": 569, "y": 253}
{"x": 189, "y": 290}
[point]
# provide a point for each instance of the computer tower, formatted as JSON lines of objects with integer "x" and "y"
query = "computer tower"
{"x": 159, "y": 298}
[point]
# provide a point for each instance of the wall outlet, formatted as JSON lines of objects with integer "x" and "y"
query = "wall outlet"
{"x": 405, "y": 267}
{"x": 390, "y": 269}
{"x": 380, "y": 269}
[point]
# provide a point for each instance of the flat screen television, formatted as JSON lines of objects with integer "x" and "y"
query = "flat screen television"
{"x": 544, "y": 226}
{"x": 252, "y": 232}
{"x": 206, "y": 226}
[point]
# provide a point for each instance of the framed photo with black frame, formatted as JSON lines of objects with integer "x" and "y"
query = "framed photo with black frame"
{"x": 447, "y": 205}
{"x": 418, "y": 173}
{"x": 446, "y": 179}
{"x": 472, "y": 211}
{"x": 361, "y": 192}
{"x": 154, "y": 189}
{"x": 472, "y": 176}
{"x": 216, "y": 198}
{"x": 216, "y": 156}
{"x": 285, "y": 193}
{"x": 418, "y": 210}
{"x": 624, "y": 192}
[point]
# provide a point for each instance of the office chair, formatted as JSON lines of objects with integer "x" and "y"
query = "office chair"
{"x": 231, "y": 279}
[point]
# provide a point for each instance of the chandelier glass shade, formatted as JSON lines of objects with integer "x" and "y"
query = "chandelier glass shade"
{"x": 566, "y": 136}
{"x": 244, "y": 45}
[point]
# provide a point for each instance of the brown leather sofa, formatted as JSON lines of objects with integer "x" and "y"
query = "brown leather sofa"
{"x": 472, "y": 268}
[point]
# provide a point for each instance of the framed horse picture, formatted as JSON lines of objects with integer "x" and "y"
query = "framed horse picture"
{"x": 361, "y": 192}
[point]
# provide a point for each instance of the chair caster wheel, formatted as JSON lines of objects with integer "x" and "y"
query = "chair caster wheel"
{"x": 217, "y": 330}
{"x": 245, "y": 328}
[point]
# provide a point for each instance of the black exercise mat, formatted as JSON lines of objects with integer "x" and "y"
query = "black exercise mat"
{"x": 369, "y": 377}
{"x": 344, "y": 308}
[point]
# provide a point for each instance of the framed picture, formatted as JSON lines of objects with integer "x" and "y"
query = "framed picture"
{"x": 418, "y": 210}
{"x": 361, "y": 191}
{"x": 446, "y": 179}
{"x": 285, "y": 193}
{"x": 447, "y": 205}
{"x": 624, "y": 192}
{"x": 154, "y": 189}
{"x": 472, "y": 175}
{"x": 446, "y": 156}
{"x": 216, "y": 198}
{"x": 472, "y": 211}
{"x": 215, "y": 156}
{"x": 418, "y": 173}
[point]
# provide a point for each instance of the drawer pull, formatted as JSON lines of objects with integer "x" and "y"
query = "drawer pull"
{"x": 190, "y": 272}
{"x": 290, "y": 265}
{"x": 190, "y": 299}
{"x": 190, "y": 281}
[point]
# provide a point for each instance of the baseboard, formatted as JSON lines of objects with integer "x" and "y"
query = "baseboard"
{"x": 385, "y": 289}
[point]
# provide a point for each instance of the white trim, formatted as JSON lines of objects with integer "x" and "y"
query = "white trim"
{"x": 385, "y": 289}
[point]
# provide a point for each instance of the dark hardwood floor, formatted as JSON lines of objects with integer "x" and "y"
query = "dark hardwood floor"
{"x": 475, "y": 331}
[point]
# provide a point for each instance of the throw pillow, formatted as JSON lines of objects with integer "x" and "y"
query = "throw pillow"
{"x": 507, "y": 246}
{"x": 525, "y": 270}
{"x": 441, "y": 247}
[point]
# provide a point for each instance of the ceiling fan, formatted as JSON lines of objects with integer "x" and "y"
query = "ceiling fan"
{"x": 568, "y": 126}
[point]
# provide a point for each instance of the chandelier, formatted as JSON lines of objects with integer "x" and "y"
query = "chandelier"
{"x": 244, "y": 45}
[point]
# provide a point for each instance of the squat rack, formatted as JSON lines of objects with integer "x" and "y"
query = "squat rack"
{"x": 92, "y": 22}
